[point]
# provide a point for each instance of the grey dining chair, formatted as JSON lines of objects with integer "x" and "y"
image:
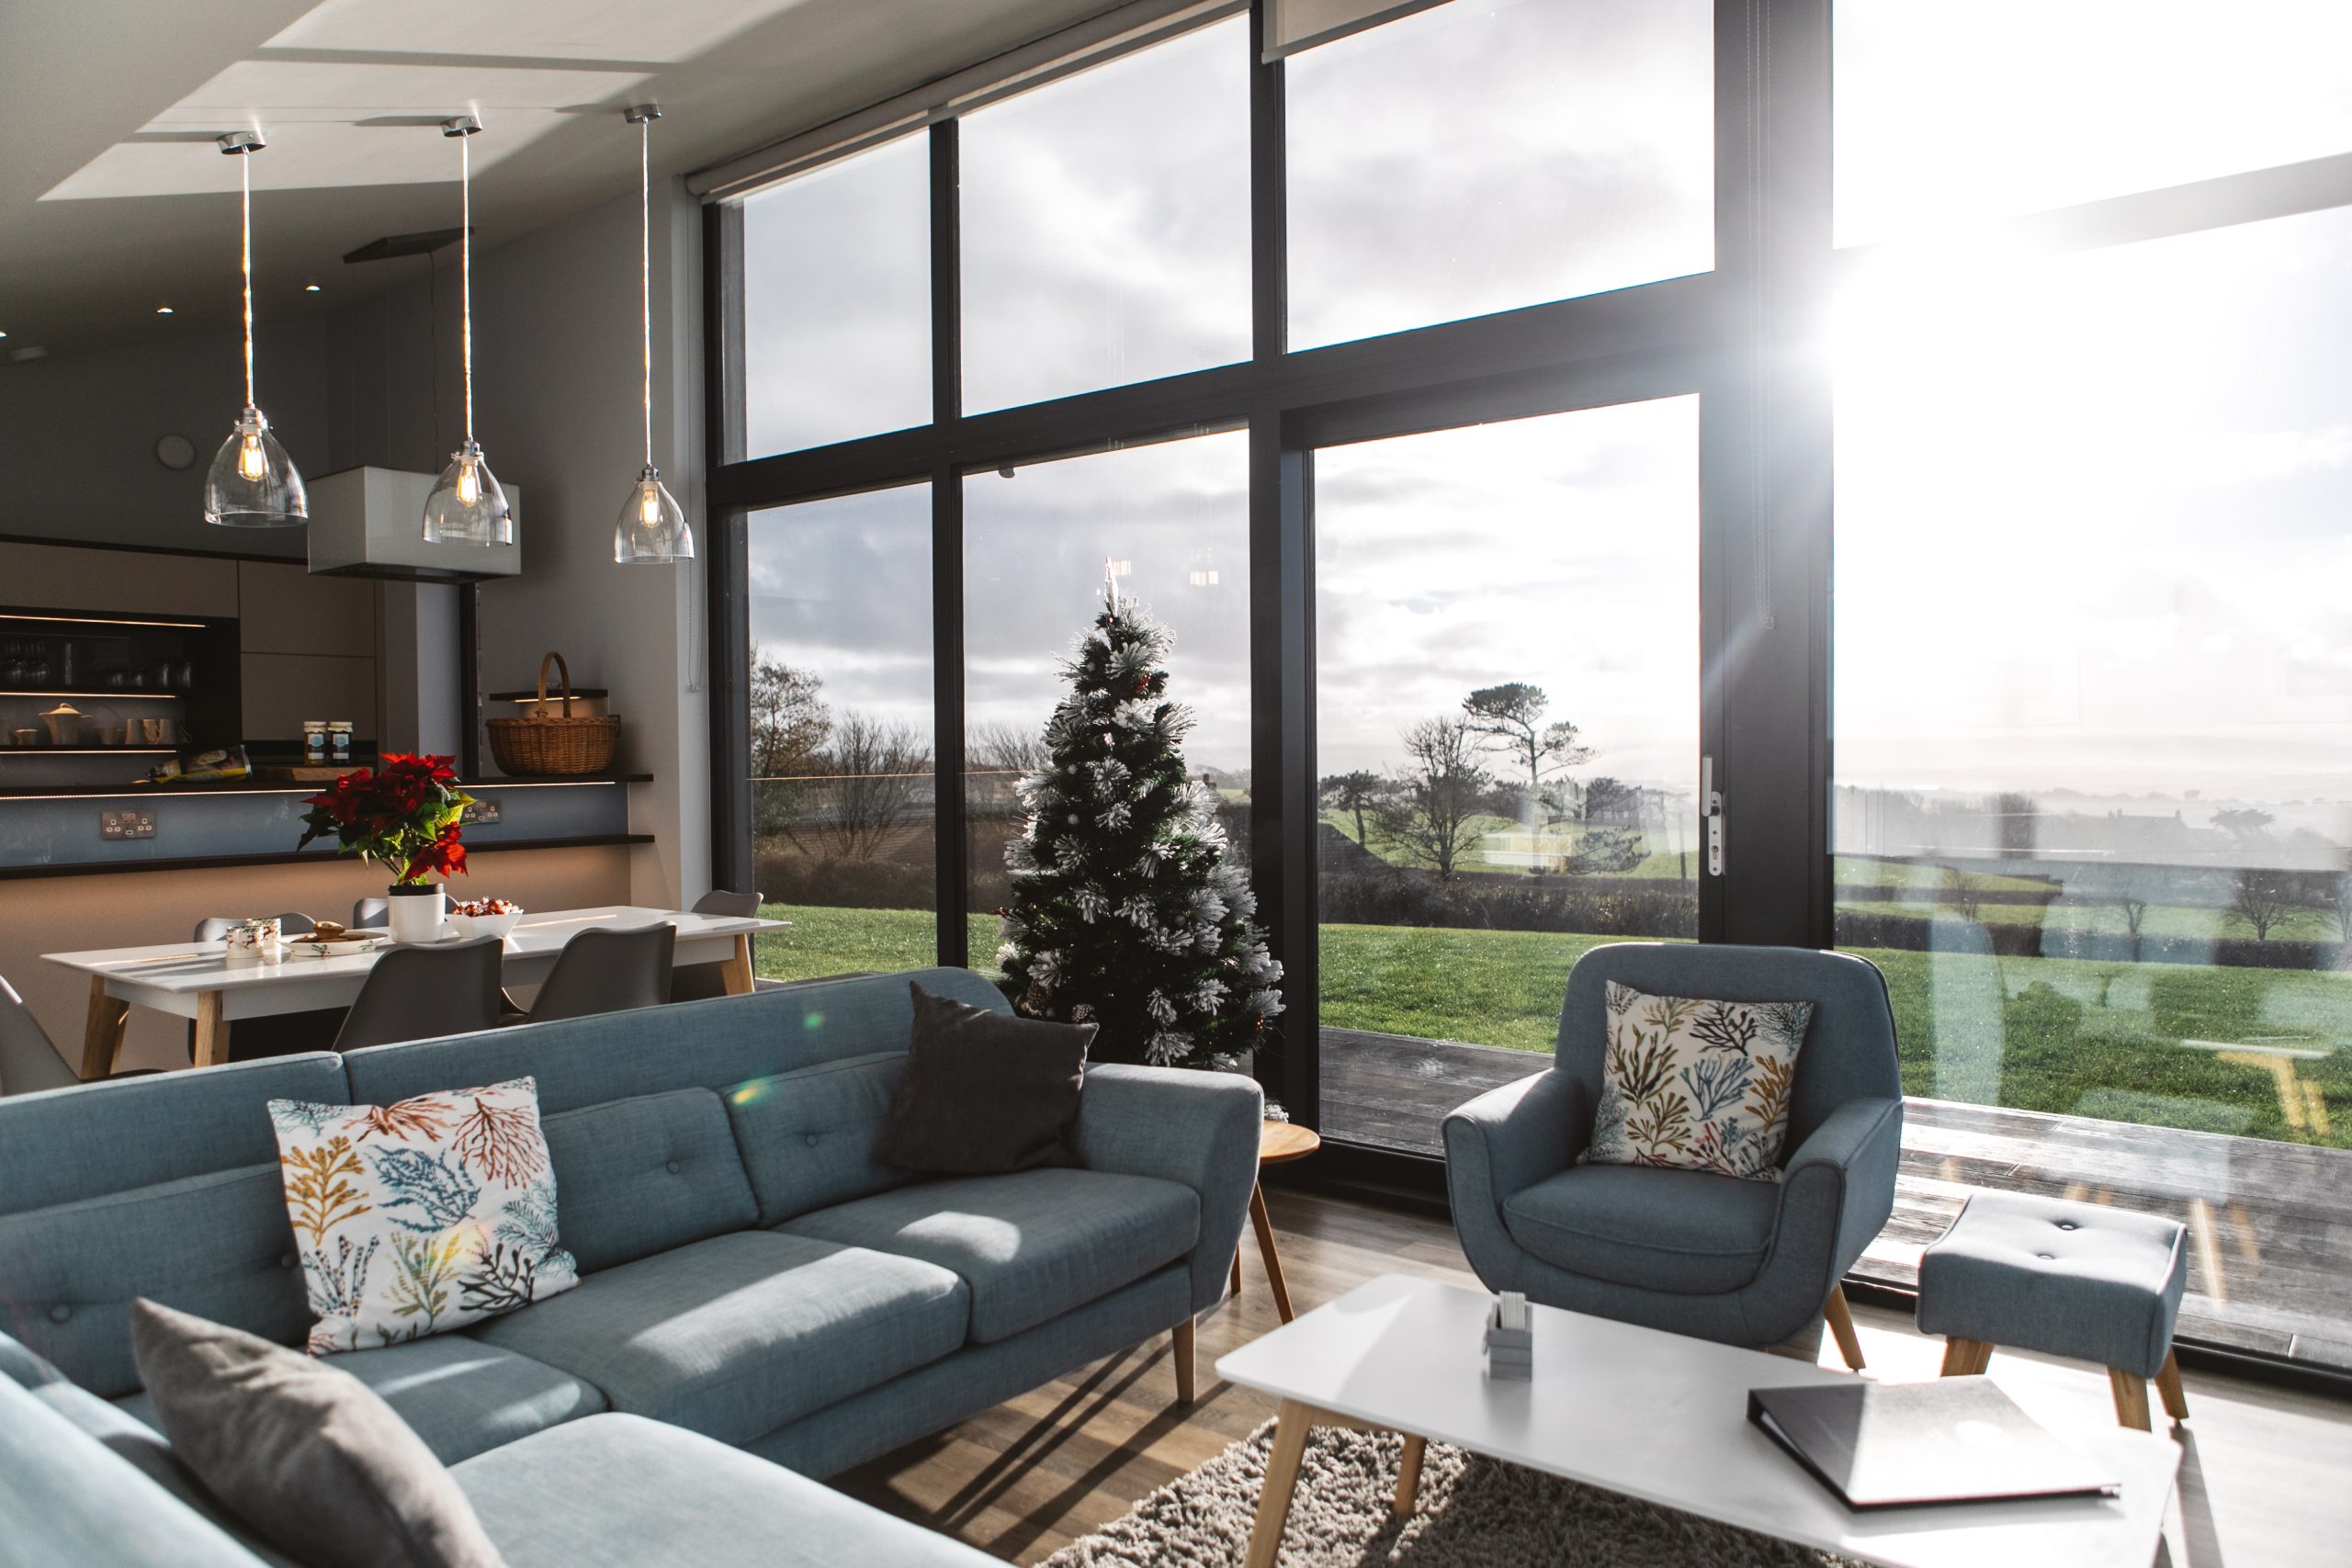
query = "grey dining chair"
{"x": 602, "y": 970}
{"x": 695, "y": 982}
{"x": 276, "y": 1034}
{"x": 28, "y": 1063}
{"x": 423, "y": 993}
{"x": 370, "y": 914}
{"x": 1715, "y": 1257}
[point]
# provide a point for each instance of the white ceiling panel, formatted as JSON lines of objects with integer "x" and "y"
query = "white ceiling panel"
{"x": 669, "y": 31}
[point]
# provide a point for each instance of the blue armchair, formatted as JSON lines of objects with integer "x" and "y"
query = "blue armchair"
{"x": 1742, "y": 1262}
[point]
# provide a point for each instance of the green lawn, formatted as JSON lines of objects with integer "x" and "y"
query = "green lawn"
{"x": 2063, "y": 1036}
{"x": 2162, "y": 919}
{"x": 1664, "y": 861}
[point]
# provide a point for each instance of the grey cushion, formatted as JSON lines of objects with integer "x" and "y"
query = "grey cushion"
{"x": 461, "y": 1396}
{"x": 641, "y": 1175}
{"x": 2077, "y": 1279}
{"x": 302, "y": 1452}
{"x": 621, "y": 1491}
{"x": 736, "y": 1335}
{"x": 1032, "y": 1244}
{"x": 807, "y": 1137}
{"x": 127, "y": 1437}
{"x": 65, "y": 1500}
{"x": 1689, "y": 1231}
{"x": 217, "y": 1245}
{"x": 984, "y": 1094}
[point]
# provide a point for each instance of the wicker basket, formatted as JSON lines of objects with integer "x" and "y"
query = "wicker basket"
{"x": 553, "y": 744}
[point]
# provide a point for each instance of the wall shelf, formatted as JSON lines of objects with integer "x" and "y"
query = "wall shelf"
{"x": 87, "y": 750}
{"x": 112, "y": 694}
{"x": 299, "y": 857}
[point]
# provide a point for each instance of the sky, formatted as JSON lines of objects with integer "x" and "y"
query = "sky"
{"x": 2091, "y": 510}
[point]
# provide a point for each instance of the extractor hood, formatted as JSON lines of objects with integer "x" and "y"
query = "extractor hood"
{"x": 370, "y": 523}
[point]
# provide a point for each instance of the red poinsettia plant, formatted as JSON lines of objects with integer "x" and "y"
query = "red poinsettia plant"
{"x": 404, "y": 815}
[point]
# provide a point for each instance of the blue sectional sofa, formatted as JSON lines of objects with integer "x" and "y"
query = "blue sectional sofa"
{"x": 751, "y": 1275}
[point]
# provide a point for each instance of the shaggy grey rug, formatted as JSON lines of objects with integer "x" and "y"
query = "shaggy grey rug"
{"x": 1474, "y": 1513}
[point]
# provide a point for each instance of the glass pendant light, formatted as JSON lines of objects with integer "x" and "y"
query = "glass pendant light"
{"x": 467, "y": 506}
{"x": 252, "y": 483}
{"x": 652, "y": 529}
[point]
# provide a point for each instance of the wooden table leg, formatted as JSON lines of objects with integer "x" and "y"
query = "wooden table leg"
{"x": 1966, "y": 1358}
{"x": 1237, "y": 1271}
{"x": 738, "y": 969}
{"x": 1841, "y": 1323}
{"x": 212, "y": 1030}
{"x": 1281, "y": 1480}
{"x": 1408, "y": 1476}
{"x": 2169, "y": 1385}
{"x": 1265, "y": 1226}
{"x": 1182, "y": 1349}
{"x": 2131, "y": 1391}
{"x": 102, "y": 1032}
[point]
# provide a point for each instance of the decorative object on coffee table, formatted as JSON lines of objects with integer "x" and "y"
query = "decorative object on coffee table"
{"x": 1511, "y": 1339}
{"x": 1125, "y": 910}
{"x": 1651, "y": 1415}
{"x": 1279, "y": 1143}
{"x": 406, "y": 816}
{"x": 550, "y": 744}
{"x": 2082, "y": 1281}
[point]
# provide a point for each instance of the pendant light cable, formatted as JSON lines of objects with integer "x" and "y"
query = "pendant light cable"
{"x": 466, "y": 273}
{"x": 645, "y": 266}
{"x": 246, "y": 187}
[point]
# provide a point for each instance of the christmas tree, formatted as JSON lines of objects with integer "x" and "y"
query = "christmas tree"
{"x": 1125, "y": 912}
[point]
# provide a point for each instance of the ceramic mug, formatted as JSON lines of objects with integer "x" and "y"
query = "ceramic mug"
{"x": 251, "y": 943}
{"x": 157, "y": 730}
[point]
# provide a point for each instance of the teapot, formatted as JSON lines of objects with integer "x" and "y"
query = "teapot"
{"x": 64, "y": 723}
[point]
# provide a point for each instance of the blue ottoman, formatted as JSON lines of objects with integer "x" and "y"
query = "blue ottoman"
{"x": 2075, "y": 1279}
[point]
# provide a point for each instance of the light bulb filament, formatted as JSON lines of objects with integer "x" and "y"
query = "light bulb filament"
{"x": 648, "y": 505}
{"x": 250, "y": 464}
{"x": 468, "y": 482}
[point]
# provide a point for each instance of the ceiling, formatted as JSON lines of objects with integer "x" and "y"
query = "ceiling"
{"x": 114, "y": 199}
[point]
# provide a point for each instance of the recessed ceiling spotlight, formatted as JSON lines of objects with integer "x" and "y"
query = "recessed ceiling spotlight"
{"x": 163, "y": 309}
{"x": 3, "y": 334}
{"x": 310, "y": 288}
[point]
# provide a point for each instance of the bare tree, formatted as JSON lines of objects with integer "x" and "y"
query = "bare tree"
{"x": 1004, "y": 749}
{"x": 1358, "y": 792}
{"x": 1964, "y": 893}
{"x": 1433, "y": 809}
{"x": 2338, "y": 894}
{"x": 2014, "y": 825}
{"x": 1510, "y": 720}
{"x": 2261, "y": 898}
{"x": 2126, "y": 886}
{"x": 879, "y": 770}
{"x": 789, "y": 719}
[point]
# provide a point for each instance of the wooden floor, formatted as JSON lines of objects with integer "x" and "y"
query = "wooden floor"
{"x": 2271, "y": 1224}
{"x": 2265, "y": 1480}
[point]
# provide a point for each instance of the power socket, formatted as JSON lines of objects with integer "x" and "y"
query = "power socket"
{"x": 126, "y": 824}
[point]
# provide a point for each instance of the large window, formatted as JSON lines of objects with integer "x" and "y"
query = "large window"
{"x": 1492, "y": 153}
{"x": 1106, "y": 224}
{"x": 1986, "y": 564}
{"x": 838, "y": 693}
{"x": 1507, "y": 631}
{"x": 1170, "y": 523}
{"x": 837, "y": 301}
{"x": 2090, "y": 812}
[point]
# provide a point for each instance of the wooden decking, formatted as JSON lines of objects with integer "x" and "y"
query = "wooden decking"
{"x": 2271, "y": 1224}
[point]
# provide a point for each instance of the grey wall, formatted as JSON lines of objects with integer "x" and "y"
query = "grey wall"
{"x": 78, "y": 432}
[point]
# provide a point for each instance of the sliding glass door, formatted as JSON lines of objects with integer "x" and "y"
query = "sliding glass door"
{"x": 1507, "y": 741}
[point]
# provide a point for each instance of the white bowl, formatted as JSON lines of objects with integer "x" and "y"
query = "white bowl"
{"x": 468, "y": 926}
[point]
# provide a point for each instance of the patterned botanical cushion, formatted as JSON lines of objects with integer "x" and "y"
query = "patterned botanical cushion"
{"x": 423, "y": 1216}
{"x": 1697, "y": 1085}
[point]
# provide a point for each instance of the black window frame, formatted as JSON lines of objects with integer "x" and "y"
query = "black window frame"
{"x": 1764, "y": 456}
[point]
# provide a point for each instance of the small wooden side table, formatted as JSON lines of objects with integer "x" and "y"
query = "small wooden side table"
{"x": 1279, "y": 1143}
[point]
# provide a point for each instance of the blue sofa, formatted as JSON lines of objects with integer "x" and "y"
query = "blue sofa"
{"x": 1715, "y": 1257}
{"x": 752, "y": 1276}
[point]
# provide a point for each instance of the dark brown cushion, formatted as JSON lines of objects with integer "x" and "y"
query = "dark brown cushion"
{"x": 302, "y": 1451}
{"x": 984, "y": 1093}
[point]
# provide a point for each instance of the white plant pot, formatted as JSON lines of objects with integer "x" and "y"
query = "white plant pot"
{"x": 416, "y": 917}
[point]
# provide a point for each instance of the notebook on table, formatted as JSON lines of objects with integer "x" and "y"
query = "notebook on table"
{"x": 1905, "y": 1445}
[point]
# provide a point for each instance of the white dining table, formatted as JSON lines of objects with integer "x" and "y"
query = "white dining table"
{"x": 193, "y": 979}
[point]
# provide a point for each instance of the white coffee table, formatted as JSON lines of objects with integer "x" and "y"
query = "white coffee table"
{"x": 1653, "y": 1416}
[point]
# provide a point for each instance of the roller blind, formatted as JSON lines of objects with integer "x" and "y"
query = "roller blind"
{"x": 1295, "y": 25}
